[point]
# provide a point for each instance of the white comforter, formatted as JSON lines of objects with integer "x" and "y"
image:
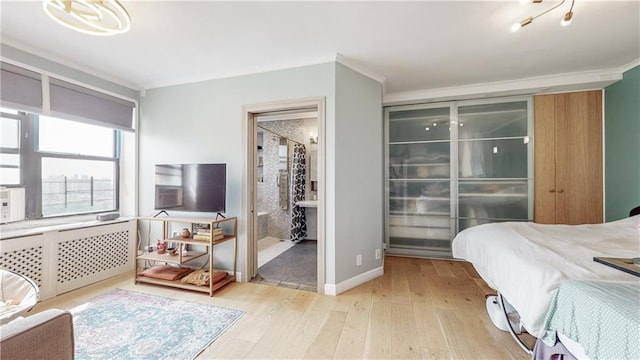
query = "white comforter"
{"x": 526, "y": 262}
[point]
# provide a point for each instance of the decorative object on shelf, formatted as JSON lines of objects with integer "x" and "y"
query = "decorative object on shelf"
{"x": 161, "y": 246}
{"x": 203, "y": 277}
{"x": 185, "y": 233}
{"x": 93, "y": 17}
{"x": 172, "y": 251}
{"x": 166, "y": 272}
{"x": 566, "y": 20}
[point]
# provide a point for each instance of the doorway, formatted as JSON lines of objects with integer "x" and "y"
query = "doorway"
{"x": 284, "y": 194}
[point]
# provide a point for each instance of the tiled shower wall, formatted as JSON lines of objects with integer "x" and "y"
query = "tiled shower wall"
{"x": 268, "y": 190}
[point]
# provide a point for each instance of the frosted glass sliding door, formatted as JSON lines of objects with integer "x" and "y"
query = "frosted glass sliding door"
{"x": 453, "y": 165}
{"x": 419, "y": 210}
{"x": 493, "y": 163}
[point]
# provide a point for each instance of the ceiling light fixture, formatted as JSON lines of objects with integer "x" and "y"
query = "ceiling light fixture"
{"x": 94, "y": 17}
{"x": 566, "y": 20}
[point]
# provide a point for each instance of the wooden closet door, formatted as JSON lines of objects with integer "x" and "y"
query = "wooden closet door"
{"x": 568, "y": 158}
{"x": 579, "y": 158}
{"x": 545, "y": 159}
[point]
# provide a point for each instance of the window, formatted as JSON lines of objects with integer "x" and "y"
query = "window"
{"x": 63, "y": 136}
{"x": 68, "y": 163}
{"x": 69, "y": 167}
{"x": 10, "y": 147}
{"x": 71, "y": 186}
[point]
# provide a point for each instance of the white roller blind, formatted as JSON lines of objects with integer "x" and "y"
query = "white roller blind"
{"x": 20, "y": 89}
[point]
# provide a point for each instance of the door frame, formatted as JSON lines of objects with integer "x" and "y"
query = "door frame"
{"x": 249, "y": 181}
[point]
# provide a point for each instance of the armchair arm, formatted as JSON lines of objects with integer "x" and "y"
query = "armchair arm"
{"x": 45, "y": 335}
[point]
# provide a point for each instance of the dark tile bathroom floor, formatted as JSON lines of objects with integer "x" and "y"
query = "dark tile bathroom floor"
{"x": 296, "y": 268}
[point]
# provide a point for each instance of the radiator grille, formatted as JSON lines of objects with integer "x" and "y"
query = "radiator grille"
{"x": 91, "y": 255}
{"x": 26, "y": 262}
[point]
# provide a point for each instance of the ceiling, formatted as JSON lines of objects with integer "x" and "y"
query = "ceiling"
{"x": 411, "y": 45}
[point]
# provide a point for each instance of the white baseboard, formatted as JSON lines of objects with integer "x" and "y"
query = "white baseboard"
{"x": 335, "y": 289}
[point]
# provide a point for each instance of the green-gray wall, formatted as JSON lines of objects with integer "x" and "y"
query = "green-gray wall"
{"x": 622, "y": 145}
{"x": 358, "y": 173}
{"x": 202, "y": 122}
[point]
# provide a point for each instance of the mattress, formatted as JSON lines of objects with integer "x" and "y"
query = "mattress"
{"x": 527, "y": 262}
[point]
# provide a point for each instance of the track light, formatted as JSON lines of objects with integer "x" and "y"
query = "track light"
{"x": 565, "y": 21}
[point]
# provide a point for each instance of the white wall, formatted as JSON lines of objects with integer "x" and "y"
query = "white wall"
{"x": 202, "y": 122}
{"x": 358, "y": 174}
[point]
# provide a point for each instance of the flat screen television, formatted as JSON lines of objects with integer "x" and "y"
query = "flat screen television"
{"x": 191, "y": 187}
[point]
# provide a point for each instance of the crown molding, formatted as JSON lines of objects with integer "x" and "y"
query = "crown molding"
{"x": 597, "y": 79}
{"x": 66, "y": 62}
{"x": 629, "y": 66}
{"x": 255, "y": 70}
{"x": 355, "y": 66}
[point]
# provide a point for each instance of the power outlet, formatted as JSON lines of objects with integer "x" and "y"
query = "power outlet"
{"x": 358, "y": 259}
{"x": 378, "y": 254}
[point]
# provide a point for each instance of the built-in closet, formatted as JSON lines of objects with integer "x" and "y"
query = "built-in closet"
{"x": 568, "y": 158}
{"x": 453, "y": 165}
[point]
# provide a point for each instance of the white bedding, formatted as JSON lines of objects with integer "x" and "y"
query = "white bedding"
{"x": 526, "y": 262}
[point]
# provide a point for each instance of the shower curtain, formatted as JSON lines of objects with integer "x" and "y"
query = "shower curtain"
{"x": 298, "y": 218}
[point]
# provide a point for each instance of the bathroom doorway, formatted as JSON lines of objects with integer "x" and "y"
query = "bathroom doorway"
{"x": 284, "y": 230}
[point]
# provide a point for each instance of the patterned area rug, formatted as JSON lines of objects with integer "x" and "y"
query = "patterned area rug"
{"x": 124, "y": 324}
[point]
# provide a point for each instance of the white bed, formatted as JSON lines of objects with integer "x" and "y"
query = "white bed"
{"x": 526, "y": 262}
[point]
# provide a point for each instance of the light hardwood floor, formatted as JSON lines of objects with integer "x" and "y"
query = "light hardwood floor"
{"x": 429, "y": 309}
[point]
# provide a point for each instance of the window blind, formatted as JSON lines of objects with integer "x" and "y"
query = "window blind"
{"x": 20, "y": 89}
{"x": 78, "y": 103}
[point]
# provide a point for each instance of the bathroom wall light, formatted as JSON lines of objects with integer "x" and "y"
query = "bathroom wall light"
{"x": 566, "y": 20}
{"x": 313, "y": 139}
{"x": 93, "y": 17}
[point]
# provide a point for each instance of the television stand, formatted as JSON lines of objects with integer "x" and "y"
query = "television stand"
{"x": 200, "y": 246}
{"x": 220, "y": 215}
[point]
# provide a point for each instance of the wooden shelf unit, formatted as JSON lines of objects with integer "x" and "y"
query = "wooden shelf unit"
{"x": 230, "y": 228}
